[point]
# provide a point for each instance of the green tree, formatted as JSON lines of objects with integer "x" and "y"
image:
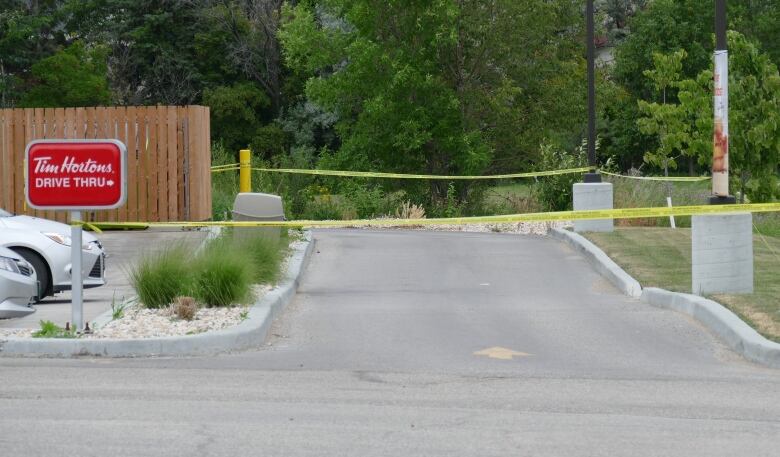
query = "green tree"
{"x": 75, "y": 76}
{"x": 754, "y": 119}
{"x": 666, "y": 121}
{"x": 440, "y": 87}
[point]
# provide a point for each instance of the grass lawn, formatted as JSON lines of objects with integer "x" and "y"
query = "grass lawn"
{"x": 661, "y": 257}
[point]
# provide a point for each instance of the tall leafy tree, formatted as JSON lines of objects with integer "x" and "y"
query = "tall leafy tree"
{"x": 75, "y": 76}
{"x": 443, "y": 87}
{"x": 754, "y": 119}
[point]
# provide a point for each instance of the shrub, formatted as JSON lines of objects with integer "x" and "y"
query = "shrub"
{"x": 555, "y": 192}
{"x": 223, "y": 274}
{"x": 161, "y": 277}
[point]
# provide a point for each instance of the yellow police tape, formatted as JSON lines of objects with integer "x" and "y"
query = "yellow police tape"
{"x": 220, "y": 170}
{"x": 371, "y": 174}
{"x": 533, "y": 174}
{"x": 227, "y": 165}
{"x": 624, "y": 213}
{"x": 659, "y": 178}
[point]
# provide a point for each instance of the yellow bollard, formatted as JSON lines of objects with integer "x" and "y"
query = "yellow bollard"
{"x": 245, "y": 171}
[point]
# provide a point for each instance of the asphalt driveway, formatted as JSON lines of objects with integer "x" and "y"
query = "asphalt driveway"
{"x": 418, "y": 343}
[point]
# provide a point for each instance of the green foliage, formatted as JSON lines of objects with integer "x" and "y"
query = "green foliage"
{"x": 223, "y": 274}
{"x": 265, "y": 251}
{"x": 235, "y": 113}
{"x": 666, "y": 121}
{"x": 554, "y": 193}
{"x": 160, "y": 277}
{"x": 437, "y": 87}
{"x": 51, "y": 330}
{"x": 754, "y": 119}
{"x": 75, "y": 76}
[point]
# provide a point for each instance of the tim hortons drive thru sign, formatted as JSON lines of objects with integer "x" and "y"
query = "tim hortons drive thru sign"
{"x": 76, "y": 174}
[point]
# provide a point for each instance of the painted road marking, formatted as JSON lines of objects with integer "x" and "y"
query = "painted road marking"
{"x": 497, "y": 352}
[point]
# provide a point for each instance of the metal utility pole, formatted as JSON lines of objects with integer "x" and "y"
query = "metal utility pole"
{"x": 593, "y": 176}
{"x": 720, "y": 137}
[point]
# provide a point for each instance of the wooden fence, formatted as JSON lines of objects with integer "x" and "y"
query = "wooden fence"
{"x": 168, "y": 149}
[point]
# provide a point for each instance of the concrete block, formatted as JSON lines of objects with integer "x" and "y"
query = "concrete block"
{"x": 593, "y": 196}
{"x": 722, "y": 254}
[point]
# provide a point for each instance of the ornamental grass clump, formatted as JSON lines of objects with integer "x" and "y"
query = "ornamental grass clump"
{"x": 161, "y": 277}
{"x": 266, "y": 252}
{"x": 223, "y": 274}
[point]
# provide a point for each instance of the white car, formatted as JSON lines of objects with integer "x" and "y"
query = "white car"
{"x": 45, "y": 245}
{"x": 17, "y": 286}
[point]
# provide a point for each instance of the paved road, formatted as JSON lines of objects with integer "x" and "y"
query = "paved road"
{"x": 376, "y": 357}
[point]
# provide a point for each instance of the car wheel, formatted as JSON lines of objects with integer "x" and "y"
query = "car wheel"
{"x": 41, "y": 271}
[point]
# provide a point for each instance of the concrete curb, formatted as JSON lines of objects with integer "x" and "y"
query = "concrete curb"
{"x": 734, "y": 332}
{"x": 727, "y": 326}
{"x": 603, "y": 264}
{"x": 250, "y": 333}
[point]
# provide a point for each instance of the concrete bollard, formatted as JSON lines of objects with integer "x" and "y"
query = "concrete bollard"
{"x": 722, "y": 254}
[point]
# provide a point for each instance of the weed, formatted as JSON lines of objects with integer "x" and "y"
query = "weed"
{"x": 185, "y": 308}
{"x": 117, "y": 309}
{"x": 51, "y": 330}
{"x": 244, "y": 315}
{"x": 409, "y": 210}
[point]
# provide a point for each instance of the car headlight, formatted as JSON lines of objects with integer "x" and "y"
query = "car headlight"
{"x": 58, "y": 238}
{"x": 9, "y": 264}
{"x": 63, "y": 239}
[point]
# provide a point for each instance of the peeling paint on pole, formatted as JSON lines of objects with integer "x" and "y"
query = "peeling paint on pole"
{"x": 720, "y": 153}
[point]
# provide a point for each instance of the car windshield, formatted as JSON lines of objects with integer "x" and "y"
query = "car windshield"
{"x": 4, "y": 213}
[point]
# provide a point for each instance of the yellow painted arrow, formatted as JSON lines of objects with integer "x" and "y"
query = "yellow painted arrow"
{"x": 501, "y": 353}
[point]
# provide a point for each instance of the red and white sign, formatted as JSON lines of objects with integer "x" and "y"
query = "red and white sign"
{"x": 76, "y": 174}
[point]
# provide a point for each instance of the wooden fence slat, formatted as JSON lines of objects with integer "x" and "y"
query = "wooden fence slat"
{"x": 206, "y": 161}
{"x": 162, "y": 163}
{"x": 143, "y": 179}
{"x": 7, "y": 175}
{"x": 19, "y": 162}
{"x": 120, "y": 120}
{"x": 29, "y": 135}
{"x": 4, "y": 189}
{"x": 183, "y": 214}
{"x": 172, "y": 165}
{"x": 132, "y": 165}
{"x": 151, "y": 164}
{"x": 192, "y": 138}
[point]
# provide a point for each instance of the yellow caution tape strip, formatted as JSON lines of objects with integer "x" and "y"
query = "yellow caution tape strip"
{"x": 370, "y": 174}
{"x": 87, "y": 225}
{"x": 227, "y": 165}
{"x": 220, "y": 170}
{"x": 660, "y": 178}
{"x": 533, "y": 174}
{"x": 625, "y": 213}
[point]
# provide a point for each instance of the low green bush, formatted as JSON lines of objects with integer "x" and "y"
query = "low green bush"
{"x": 163, "y": 276}
{"x": 223, "y": 274}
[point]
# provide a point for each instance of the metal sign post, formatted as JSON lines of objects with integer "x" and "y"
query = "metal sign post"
{"x": 76, "y": 277}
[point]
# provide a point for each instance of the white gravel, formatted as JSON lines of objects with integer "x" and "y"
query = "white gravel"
{"x": 520, "y": 228}
{"x": 16, "y": 332}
